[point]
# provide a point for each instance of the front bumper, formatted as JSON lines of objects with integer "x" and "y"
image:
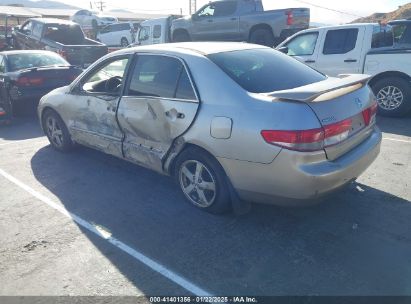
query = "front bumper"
{"x": 296, "y": 178}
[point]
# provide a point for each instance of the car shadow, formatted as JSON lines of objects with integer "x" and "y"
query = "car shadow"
{"x": 398, "y": 126}
{"x": 357, "y": 243}
{"x": 21, "y": 128}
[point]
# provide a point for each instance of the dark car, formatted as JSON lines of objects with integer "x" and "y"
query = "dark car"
{"x": 61, "y": 36}
{"x": 26, "y": 76}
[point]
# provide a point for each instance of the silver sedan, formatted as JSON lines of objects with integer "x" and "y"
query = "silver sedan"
{"x": 227, "y": 120}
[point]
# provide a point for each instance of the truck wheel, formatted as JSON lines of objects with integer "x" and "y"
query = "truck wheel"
{"x": 181, "y": 37}
{"x": 393, "y": 96}
{"x": 202, "y": 181}
{"x": 124, "y": 42}
{"x": 263, "y": 37}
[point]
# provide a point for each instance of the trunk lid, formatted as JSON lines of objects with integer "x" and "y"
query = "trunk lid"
{"x": 344, "y": 102}
{"x": 83, "y": 55}
{"x": 52, "y": 77}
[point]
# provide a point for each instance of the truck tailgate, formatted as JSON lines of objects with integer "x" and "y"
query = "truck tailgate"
{"x": 83, "y": 55}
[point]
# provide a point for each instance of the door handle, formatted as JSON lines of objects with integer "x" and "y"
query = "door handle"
{"x": 174, "y": 113}
{"x": 209, "y": 20}
{"x": 233, "y": 19}
{"x": 309, "y": 61}
{"x": 350, "y": 60}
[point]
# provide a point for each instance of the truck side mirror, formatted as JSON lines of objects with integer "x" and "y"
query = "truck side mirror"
{"x": 283, "y": 49}
{"x": 194, "y": 17}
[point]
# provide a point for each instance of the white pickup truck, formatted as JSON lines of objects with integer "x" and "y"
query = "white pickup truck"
{"x": 382, "y": 51}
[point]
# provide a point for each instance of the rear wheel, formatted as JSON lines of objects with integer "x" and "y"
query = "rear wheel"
{"x": 263, "y": 37}
{"x": 202, "y": 181}
{"x": 124, "y": 42}
{"x": 393, "y": 96}
{"x": 56, "y": 131}
{"x": 181, "y": 37}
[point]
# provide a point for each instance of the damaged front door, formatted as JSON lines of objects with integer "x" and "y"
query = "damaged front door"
{"x": 159, "y": 105}
{"x": 97, "y": 96}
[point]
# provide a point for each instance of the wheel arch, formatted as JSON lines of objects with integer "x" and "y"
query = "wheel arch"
{"x": 388, "y": 74}
{"x": 260, "y": 26}
{"x": 44, "y": 110}
{"x": 180, "y": 31}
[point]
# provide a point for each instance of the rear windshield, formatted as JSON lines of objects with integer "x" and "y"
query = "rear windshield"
{"x": 34, "y": 60}
{"x": 265, "y": 70}
{"x": 64, "y": 33}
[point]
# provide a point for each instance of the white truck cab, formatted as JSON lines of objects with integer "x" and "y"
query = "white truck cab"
{"x": 155, "y": 31}
{"x": 382, "y": 51}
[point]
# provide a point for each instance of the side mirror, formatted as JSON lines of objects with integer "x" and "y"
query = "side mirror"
{"x": 194, "y": 17}
{"x": 283, "y": 49}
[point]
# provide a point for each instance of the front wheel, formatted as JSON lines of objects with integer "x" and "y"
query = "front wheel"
{"x": 263, "y": 37}
{"x": 56, "y": 131}
{"x": 393, "y": 96}
{"x": 202, "y": 181}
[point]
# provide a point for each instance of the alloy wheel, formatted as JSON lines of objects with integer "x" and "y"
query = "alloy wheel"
{"x": 390, "y": 98}
{"x": 197, "y": 183}
{"x": 54, "y": 131}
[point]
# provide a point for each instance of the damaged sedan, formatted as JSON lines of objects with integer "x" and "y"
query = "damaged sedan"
{"x": 228, "y": 120}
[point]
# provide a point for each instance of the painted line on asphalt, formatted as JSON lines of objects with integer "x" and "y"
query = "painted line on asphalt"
{"x": 153, "y": 265}
{"x": 23, "y": 141}
{"x": 398, "y": 140}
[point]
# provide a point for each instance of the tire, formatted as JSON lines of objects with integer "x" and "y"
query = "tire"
{"x": 211, "y": 182}
{"x": 59, "y": 138}
{"x": 181, "y": 37}
{"x": 124, "y": 42}
{"x": 393, "y": 96}
{"x": 263, "y": 37}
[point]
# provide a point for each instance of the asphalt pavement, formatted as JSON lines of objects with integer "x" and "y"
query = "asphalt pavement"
{"x": 85, "y": 223}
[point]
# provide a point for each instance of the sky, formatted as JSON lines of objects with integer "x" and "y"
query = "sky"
{"x": 352, "y": 8}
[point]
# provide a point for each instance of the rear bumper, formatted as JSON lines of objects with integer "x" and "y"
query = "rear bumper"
{"x": 296, "y": 178}
{"x": 28, "y": 95}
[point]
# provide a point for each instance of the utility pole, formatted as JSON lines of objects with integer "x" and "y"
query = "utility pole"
{"x": 100, "y": 4}
{"x": 192, "y": 6}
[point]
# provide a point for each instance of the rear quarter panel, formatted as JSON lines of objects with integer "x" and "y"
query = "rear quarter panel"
{"x": 388, "y": 61}
{"x": 250, "y": 113}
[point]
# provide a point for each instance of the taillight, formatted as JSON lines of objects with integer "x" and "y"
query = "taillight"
{"x": 2, "y": 112}
{"x": 309, "y": 140}
{"x": 27, "y": 81}
{"x": 290, "y": 17}
{"x": 369, "y": 113}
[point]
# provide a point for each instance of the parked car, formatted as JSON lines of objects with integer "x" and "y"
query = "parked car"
{"x": 92, "y": 19}
{"x": 240, "y": 20}
{"x": 119, "y": 34}
{"x": 155, "y": 31}
{"x": 362, "y": 48}
{"x": 221, "y": 116}
{"x": 26, "y": 76}
{"x": 63, "y": 37}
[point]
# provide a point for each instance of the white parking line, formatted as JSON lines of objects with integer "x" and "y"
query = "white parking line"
{"x": 39, "y": 139}
{"x": 155, "y": 266}
{"x": 398, "y": 140}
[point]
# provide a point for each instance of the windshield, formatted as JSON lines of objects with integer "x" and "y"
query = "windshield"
{"x": 27, "y": 61}
{"x": 265, "y": 70}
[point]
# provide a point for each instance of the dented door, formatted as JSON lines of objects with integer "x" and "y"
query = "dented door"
{"x": 159, "y": 105}
{"x": 93, "y": 111}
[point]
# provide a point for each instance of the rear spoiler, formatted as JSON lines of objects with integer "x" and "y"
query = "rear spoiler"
{"x": 312, "y": 91}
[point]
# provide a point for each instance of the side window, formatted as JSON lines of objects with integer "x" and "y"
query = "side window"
{"x": 125, "y": 27}
{"x": 340, "y": 41}
{"x": 382, "y": 36}
{"x": 37, "y": 29}
{"x": 2, "y": 64}
{"x": 184, "y": 87}
{"x": 303, "y": 44}
{"x": 144, "y": 33}
{"x": 207, "y": 11}
{"x": 157, "y": 31}
{"x": 402, "y": 34}
{"x": 26, "y": 29}
{"x": 159, "y": 76}
{"x": 225, "y": 8}
{"x": 107, "y": 78}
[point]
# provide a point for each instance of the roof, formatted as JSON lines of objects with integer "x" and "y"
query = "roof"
{"x": 204, "y": 48}
{"x": 54, "y": 20}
